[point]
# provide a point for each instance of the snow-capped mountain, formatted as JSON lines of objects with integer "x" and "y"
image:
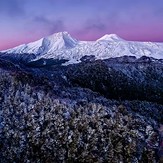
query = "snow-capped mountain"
{"x": 62, "y": 46}
{"x": 48, "y": 44}
{"x": 111, "y": 37}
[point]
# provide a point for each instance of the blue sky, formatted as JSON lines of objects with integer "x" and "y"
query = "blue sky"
{"x": 22, "y": 21}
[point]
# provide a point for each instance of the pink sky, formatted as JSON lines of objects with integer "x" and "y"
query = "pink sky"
{"x": 23, "y": 22}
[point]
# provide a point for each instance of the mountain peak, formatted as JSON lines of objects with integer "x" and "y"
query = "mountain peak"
{"x": 110, "y": 37}
{"x": 60, "y": 34}
{"x": 59, "y": 40}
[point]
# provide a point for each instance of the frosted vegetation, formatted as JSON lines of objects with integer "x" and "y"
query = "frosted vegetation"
{"x": 42, "y": 122}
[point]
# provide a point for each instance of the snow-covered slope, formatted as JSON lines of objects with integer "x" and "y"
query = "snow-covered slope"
{"x": 57, "y": 41}
{"x": 62, "y": 46}
{"x": 111, "y": 37}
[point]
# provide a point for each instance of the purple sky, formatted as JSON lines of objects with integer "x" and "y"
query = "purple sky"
{"x": 22, "y": 21}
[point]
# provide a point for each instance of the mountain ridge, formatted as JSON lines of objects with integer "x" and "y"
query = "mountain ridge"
{"x": 63, "y": 46}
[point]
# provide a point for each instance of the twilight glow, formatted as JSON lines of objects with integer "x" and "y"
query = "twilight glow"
{"x": 22, "y": 21}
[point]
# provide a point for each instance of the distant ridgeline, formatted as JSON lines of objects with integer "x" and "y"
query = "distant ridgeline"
{"x": 121, "y": 78}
